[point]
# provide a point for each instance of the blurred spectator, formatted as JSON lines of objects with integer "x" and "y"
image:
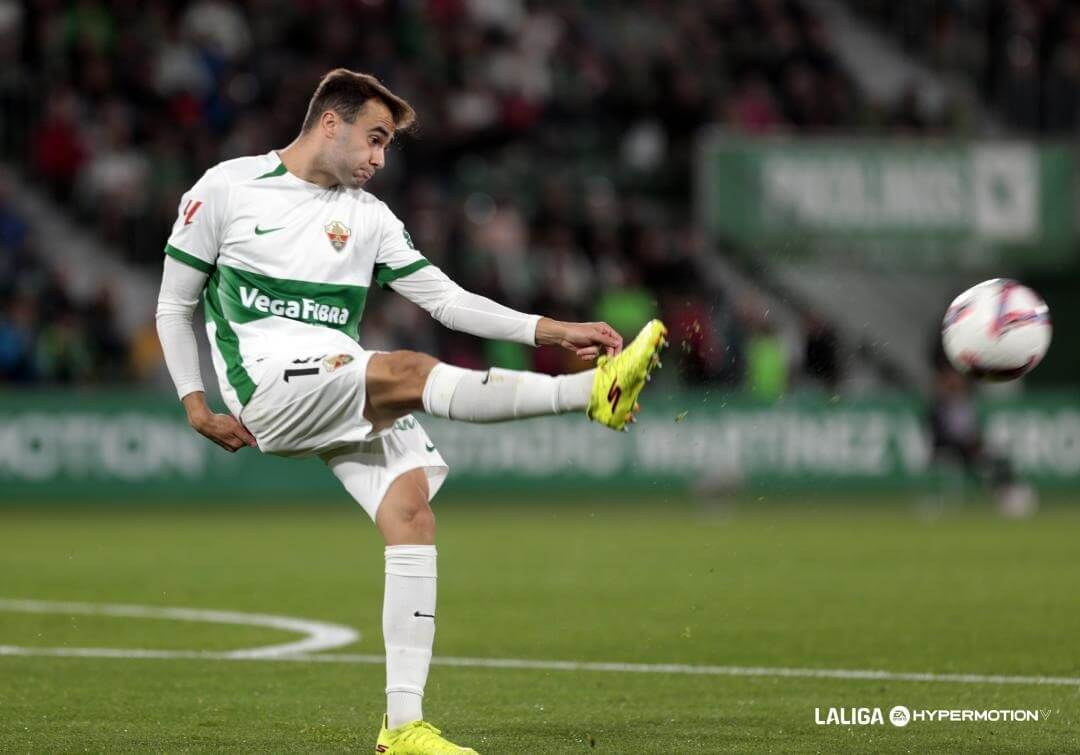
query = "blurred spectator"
{"x": 957, "y": 438}
{"x": 46, "y": 336}
{"x": 13, "y": 229}
{"x": 627, "y": 308}
{"x": 108, "y": 347}
{"x": 767, "y": 363}
{"x": 116, "y": 179}
{"x": 752, "y": 107}
{"x": 821, "y": 357}
{"x": 59, "y": 149}
{"x": 1019, "y": 89}
{"x": 145, "y": 357}
{"x": 708, "y": 342}
{"x": 62, "y": 351}
{"x": 1063, "y": 90}
{"x": 17, "y": 330}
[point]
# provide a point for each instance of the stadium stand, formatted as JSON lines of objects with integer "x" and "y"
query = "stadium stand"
{"x": 129, "y": 102}
{"x": 1024, "y": 55}
{"x": 45, "y": 334}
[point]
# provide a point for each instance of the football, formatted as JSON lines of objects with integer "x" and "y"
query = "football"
{"x": 997, "y": 330}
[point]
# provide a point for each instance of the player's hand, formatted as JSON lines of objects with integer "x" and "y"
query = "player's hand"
{"x": 223, "y": 429}
{"x": 585, "y": 339}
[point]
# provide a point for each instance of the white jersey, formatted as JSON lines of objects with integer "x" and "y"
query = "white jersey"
{"x": 289, "y": 262}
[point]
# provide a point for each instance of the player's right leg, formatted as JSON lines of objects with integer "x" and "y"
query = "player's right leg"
{"x": 403, "y": 381}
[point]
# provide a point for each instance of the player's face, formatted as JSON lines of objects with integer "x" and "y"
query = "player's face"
{"x": 359, "y": 148}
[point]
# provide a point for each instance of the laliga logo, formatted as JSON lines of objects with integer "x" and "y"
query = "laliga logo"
{"x": 899, "y": 716}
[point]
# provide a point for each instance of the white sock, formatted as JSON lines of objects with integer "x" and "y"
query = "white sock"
{"x": 408, "y": 629}
{"x": 498, "y": 395}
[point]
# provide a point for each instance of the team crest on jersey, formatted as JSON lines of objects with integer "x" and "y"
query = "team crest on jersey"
{"x": 337, "y": 360}
{"x": 338, "y": 233}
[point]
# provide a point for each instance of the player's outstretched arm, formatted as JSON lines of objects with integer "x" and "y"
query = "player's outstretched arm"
{"x": 462, "y": 310}
{"x": 180, "y": 289}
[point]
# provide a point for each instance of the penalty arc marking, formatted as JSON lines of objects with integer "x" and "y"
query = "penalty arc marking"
{"x": 326, "y": 636}
{"x": 320, "y": 635}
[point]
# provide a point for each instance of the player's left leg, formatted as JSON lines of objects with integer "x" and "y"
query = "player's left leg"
{"x": 407, "y": 524}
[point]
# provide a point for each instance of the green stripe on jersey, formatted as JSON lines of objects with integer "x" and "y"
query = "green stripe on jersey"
{"x": 189, "y": 260}
{"x": 385, "y": 275}
{"x": 227, "y": 342}
{"x": 247, "y": 297}
{"x": 278, "y": 171}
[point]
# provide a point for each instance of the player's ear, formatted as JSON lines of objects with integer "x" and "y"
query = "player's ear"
{"x": 330, "y": 123}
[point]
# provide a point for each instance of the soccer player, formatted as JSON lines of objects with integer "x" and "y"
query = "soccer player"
{"x": 283, "y": 247}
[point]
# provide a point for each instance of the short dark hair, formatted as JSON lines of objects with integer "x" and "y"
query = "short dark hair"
{"x": 345, "y": 92}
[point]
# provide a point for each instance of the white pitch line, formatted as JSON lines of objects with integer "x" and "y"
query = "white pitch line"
{"x": 539, "y": 665}
{"x": 679, "y": 668}
{"x": 325, "y": 636}
{"x": 126, "y": 653}
{"x": 320, "y": 635}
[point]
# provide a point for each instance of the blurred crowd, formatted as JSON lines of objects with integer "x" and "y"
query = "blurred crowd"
{"x": 552, "y": 169}
{"x": 1022, "y": 55}
{"x": 46, "y": 336}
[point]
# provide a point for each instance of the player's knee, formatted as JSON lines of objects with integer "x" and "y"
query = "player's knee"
{"x": 396, "y": 380}
{"x": 416, "y": 520}
{"x": 411, "y": 367}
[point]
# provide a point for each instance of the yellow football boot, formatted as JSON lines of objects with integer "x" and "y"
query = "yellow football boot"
{"x": 416, "y": 738}
{"x": 619, "y": 379}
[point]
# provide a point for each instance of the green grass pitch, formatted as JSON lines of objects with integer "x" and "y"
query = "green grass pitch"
{"x": 857, "y": 585}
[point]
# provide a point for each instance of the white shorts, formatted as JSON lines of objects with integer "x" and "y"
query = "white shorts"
{"x": 313, "y": 404}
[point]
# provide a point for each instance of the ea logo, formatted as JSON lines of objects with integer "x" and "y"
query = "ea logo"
{"x": 900, "y": 716}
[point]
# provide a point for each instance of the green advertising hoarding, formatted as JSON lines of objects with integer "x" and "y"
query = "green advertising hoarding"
{"x": 901, "y": 203}
{"x": 119, "y": 446}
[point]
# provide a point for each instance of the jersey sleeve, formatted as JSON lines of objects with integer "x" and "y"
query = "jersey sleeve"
{"x": 196, "y": 234}
{"x": 180, "y": 289}
{"x": 396, "y": 257}
{"x": 467, "y": 312}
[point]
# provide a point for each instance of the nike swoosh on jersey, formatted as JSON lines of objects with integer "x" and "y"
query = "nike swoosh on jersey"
{"x": 261, "y": 231}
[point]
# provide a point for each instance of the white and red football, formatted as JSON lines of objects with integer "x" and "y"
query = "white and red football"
{"x": 997, "y": 330}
